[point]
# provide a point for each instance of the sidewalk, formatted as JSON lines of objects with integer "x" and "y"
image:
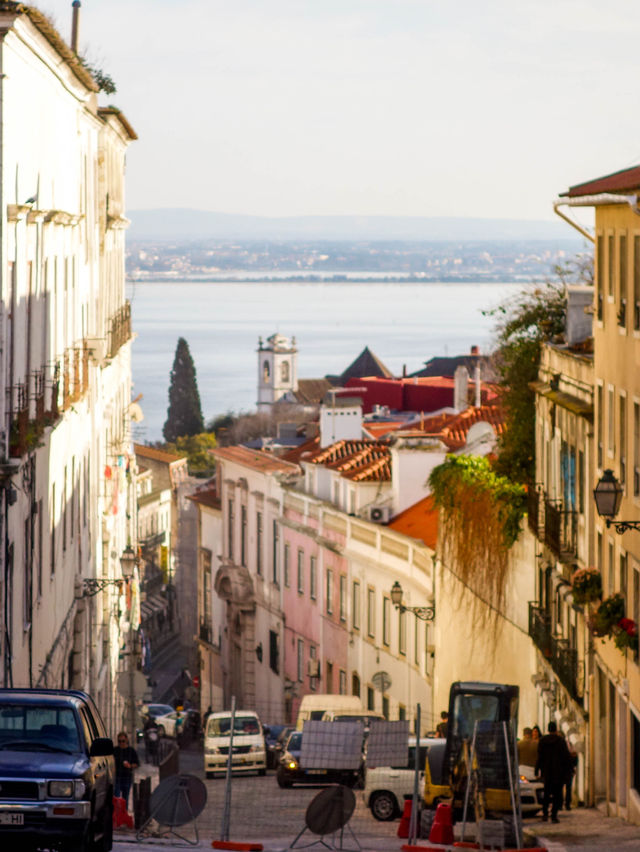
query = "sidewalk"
{"x": 584, "y": 828}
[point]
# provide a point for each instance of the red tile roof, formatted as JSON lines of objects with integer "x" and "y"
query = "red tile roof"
{"x": 418, "y": 521}
{"x": 207, "y": 497}
{"x": 360, "y": 461}
{"x": 156, "y": 454}
{"x": 378, "y": 428}
{"x": 452, "y": 429}
{"x": 256, "y": 459}
{"x": 626, "y": 180}
{"x": 294, "y": 455}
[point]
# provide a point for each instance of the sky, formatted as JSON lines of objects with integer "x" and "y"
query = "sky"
{"x": 367, "y": 107}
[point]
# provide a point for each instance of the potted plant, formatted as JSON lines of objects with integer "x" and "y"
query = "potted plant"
{"x": 625, "y": 634}
{"x": 587, "y": 585}
{"x": 607, "y": 616}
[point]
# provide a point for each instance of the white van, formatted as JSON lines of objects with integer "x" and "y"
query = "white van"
{"x": 249, "y": 751}
{"x": 314, "y": 707}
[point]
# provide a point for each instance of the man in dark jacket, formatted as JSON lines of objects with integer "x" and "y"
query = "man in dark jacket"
{"x": 126, "y": 759}
{"x": 554, "y": 762}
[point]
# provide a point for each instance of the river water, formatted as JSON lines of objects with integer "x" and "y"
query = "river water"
{"x": 401, "y": 323}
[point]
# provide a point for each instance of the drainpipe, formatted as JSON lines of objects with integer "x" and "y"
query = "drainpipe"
{"x": 75, "y": 25}
{"x": 598, "y": 200}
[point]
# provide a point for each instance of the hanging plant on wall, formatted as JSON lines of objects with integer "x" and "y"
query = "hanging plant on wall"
{"x": 587, "y": 585}
{"x": 609, "y": 621}
{"x": 480, "y": 520}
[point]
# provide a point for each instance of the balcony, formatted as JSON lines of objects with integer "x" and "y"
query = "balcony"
{"x": 560, "y": 530}
{"x": 119, "y": 330}
{"x": 562, "y": 659}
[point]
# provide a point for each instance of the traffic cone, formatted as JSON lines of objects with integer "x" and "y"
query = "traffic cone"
{"x": 405, "y": 819}
{"x": 442, "y": 828}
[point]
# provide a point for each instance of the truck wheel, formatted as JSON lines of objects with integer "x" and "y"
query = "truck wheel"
{"x": 384, "y": 805}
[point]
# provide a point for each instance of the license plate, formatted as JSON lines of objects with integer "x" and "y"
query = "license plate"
{"x": 316, "y": 771}
{"x": 11, "y": 819}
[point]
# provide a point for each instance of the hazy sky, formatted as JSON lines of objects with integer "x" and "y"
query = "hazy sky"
{"x": 399, "y": 107}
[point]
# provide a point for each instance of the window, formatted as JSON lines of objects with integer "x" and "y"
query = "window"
{"x": 274, "y": 655}
{"x": 336, "y": 493}
{"x": 371, "y": 699}
{"x": 355, "y": 684}
{"x": 581, "y": 483}
{"x": 287, "y": 555}
{"x": 266, "y": 372}
{"x": 402, "y": 633}
{"x": 329, "y": 591}
{"x": 342, "y": 682}
{"x": 53, "y": 529}
{"x": 63, "y": 510}
{"x": 329, "y": 684}
{"x": 230, "y": 528}
{"x": 416, "y": 641}
{"x": 611, "y": 421}
{"x": 600, "y": 425}
{"x": 243, "y": 535}
{"x": 285, "y": 371}
{"x": 636, "y": 283}
{"x": 386, "y": 621}
{"x": 313, "y": 578}
{"x": 612, "y": 263}
{"x": 610, "y": 569}
{"x": 313, "y": 681}
{"x": 622, "y": 283}
{"x": 27, "y": 597}
{"x": 300, "y": 572}
{"x": 259, "y": 543}
{"x": 300, "y": 659}
{"x": 355, "y": 605}
{"x": 623, "y": 575}
{"x": 636, "y": 601}
{"x": 622, "y": 431}
{"x": 371, "y": 612}
{"x": 39, "y": 534}
{"x": 275, "y": 539}
{"x": 402, "y": 715}
{"x": 599, "y": 276}
{"x": 343, "y": 597}
{"x": 636, "y": 449}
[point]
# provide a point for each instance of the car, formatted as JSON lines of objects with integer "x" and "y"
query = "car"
{"x": 290, "y": 771}
{"x": 273, "y": 738}
{"x": 170, "y": 724}
{"x": 155, "y": 710}
{"x": 248, "y": 745}
{"x": 56, "y": 771}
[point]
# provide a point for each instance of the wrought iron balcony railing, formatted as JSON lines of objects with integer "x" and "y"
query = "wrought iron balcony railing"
{"x": 119, "y": 329}
{"x": 561, "y": 657}
{"x": 206, "y": 633}
{"x": 560, "y": 530}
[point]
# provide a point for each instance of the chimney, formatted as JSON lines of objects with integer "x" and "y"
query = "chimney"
{"x": 75, "y": 23}
{"x": 478, "y": 384}
{"x": 404, "y": 371}
{"x": 460, "y": 388}
{"x": 475, "y": 350}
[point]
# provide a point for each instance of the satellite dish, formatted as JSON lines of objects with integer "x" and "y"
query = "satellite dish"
{"x": 330, "y": 810}
{"x": 136, "y": 413}
{"x": 381, "y": 681}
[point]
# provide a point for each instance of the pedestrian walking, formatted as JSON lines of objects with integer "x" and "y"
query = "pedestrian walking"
{"x": 527, "y": 748}
{"x": 126, "y": 759}
{"x": 553, "y": 763}
{"x": 443, "y": 726}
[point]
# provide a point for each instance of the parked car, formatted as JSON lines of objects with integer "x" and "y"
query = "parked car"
{"x": 56, "y": 771}
{"x": 249, "y": 751}
{"x": 155, "y": 710}
{"x": 170, "y": 724}
{"x": 290, "y": 771}
{"x": 273, "y": 742}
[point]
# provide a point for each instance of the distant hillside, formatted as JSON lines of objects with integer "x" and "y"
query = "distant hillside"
{"x": 184, "y": 224}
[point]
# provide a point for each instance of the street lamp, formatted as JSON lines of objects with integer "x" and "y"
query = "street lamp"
{"x": 92, "y": 585}
{"x": 425, "y": 613}
{"x": 608, "y": 496}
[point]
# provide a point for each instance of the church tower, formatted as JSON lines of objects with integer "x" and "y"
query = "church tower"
{"x": 277, "y": 369}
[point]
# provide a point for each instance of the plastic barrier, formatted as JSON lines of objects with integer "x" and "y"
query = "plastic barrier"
{"x": 442, "y": 828}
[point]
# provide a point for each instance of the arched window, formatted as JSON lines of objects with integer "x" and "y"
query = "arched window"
{"x": 266, "y": 373}
{"x": 284, "y": 371}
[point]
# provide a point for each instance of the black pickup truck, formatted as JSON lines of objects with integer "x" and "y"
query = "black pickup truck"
{"x": 56, "y": 772}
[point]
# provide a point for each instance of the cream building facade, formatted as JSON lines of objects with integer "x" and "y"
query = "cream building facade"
{"x": 68, "y": 504}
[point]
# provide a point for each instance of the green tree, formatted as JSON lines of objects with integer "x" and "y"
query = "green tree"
{"x": 184, "y": 415}
{"x": 196, "y": 448}
{"x": 523, "y": 322}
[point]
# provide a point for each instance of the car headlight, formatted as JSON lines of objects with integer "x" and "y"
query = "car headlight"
{"x": 80, "y": 788}
{"x": 256, "y": 748}
{"x": 292, "y": 764}
{"x": 61, "y": 789}
{"x": 212, "y": 750}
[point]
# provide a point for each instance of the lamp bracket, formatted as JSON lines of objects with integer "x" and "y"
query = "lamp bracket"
{"x": 622, "y": 526}
{"x": 92, "y": 586}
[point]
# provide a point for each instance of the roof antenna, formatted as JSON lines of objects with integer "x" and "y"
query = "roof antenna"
{"x": 75, "y": 22}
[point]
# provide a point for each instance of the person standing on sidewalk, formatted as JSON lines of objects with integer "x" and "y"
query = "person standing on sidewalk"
{"x": 126, "y": 759}
{"x": 553, "y": 763}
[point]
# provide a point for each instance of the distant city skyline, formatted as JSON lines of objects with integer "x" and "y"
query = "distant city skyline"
{"x": 366, "y": 107}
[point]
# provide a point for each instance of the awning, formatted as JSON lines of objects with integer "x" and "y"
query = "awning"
{"x": 153, "y": 605}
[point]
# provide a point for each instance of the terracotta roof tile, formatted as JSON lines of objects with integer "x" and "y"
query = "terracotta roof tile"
{"x": 419, "y": 521}
{"x": 623, "y": 181}
{"x": 207, "y": 497}
{"x": 360, "y": 461}
{"x": 295, "y": 455}
{"x": 256, "y": 459}
{"x": 156, "y": 454}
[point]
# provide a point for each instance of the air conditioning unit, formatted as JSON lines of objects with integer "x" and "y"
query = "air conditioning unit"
{"x": 313, "y": 668}
{"x": 379, "y": 514}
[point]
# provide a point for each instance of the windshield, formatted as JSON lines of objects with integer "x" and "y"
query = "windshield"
{"x": 42, "y": 725}
{"x": 244, "y": 725}
{"x": 295, "y": 742}
{"x": 469, "y": 709}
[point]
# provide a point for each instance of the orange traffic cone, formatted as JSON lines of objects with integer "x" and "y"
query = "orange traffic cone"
{"x": 405, "y": 819}
{"x": 442, "y": 828}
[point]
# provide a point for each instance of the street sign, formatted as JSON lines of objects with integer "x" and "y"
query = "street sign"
{"x": 131, "y": 682}
{"x": 381, "y": 681}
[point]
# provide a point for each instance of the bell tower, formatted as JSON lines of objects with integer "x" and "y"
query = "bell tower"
{"x": 277, "y": 369}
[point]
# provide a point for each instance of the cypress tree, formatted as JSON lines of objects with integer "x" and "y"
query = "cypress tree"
{"x": 184, "y": 415}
